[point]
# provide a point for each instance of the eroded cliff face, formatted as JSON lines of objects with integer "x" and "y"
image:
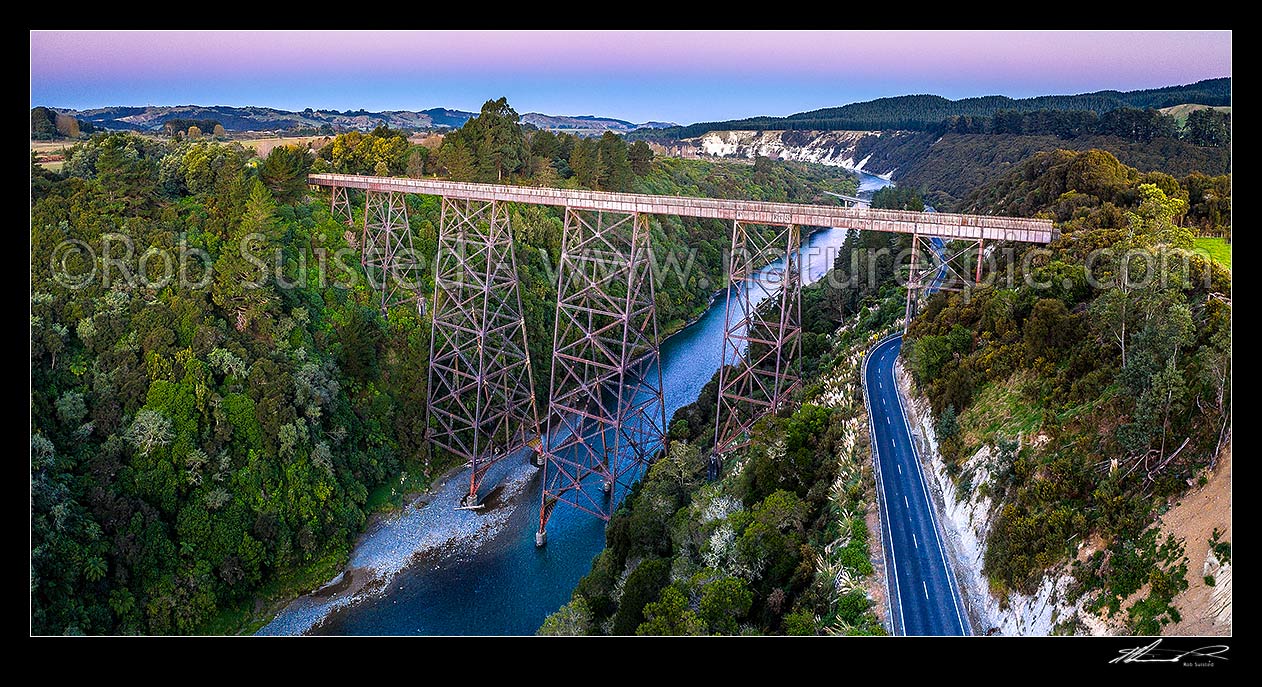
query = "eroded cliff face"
{"x": 848, "y": 149}
{"x": 968, "y": 515}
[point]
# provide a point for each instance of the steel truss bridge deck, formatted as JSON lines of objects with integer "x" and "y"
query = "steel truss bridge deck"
{"x": 942, "y": 224}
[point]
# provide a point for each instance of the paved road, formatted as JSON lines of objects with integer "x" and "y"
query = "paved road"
{"x": 924, "y": 597}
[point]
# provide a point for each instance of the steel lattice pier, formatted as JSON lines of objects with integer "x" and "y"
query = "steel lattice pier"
{"x": 762, "y": 333}
{"x": 340, "y": 206}
{"x": 606, "y": 385}
{"x": 481, "y": 404}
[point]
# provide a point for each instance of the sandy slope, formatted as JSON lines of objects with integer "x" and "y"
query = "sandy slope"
{"x": 1206, "y": 610}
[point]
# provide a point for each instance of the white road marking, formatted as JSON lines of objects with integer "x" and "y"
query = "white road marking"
{"x": 905, "y": 502}
{"x": 900, "y": 469}
{"x": 913, "y": 540}
{"x": 922, "y": 583}
{"x": 887, "y": 419}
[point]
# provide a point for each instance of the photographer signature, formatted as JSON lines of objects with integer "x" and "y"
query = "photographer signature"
{"x": 1152, "y": 654}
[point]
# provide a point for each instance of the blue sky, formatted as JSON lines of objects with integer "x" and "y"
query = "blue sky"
{"x": 682, "y": 76}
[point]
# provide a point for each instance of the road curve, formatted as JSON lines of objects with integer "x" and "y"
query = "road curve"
{"x": 923, "y": 594}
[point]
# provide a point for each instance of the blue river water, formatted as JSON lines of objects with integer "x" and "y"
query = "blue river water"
{"x": 509, "y": 585}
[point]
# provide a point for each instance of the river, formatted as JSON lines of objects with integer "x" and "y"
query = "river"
{"x": 433, "y": 570}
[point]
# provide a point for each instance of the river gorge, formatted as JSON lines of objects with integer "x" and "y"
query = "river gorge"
{"x": 430, "y": 569}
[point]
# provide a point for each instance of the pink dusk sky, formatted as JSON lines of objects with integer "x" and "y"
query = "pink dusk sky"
{"x": 681, "y": 76}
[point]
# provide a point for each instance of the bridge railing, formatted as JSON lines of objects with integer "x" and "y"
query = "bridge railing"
{"x": 949, "y": 225}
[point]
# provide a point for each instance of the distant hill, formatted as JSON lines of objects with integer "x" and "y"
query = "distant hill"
{"x": 588, "y": 124}
{"x": 154, "y": 118}
{"x": 922, "y": 112}
{"x": 441, "y": 116}
{"x": 562, "y": 123}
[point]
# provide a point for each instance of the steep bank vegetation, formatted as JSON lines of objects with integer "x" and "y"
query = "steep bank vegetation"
{"x": 196, "y": 442}
{"x": 1074, "y": 187}
{"x": 948, "y": 166}
{"x": 1100, "y": 396}
{"x": 199, "y": 445}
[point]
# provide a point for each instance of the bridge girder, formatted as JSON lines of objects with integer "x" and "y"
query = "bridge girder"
{"x": 943, "y": 224}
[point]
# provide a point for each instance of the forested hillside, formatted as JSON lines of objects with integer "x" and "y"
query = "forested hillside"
{"x": 949, "y": 166}
{"x": 966, "y": 153}
{"x": 926, "y": 112}
{"x": 948, "y": 148}
{"x": 1098, "y": 388}
{"x": 205, "y": 441}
